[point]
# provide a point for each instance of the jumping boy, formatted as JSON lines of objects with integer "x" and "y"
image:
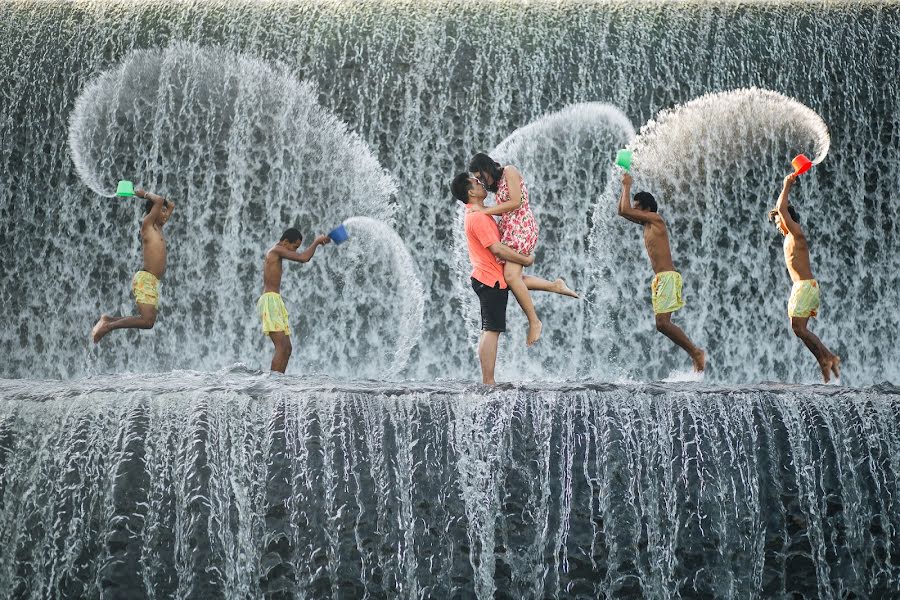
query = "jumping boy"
{"x": 145, "y": 284}
{"x": 666, "y": 284}
{"x": 804, "y": 301}
{"x": 270, "y": 306}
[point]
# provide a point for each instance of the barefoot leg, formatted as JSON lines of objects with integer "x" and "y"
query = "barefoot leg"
{"x": 672, "y": 331}
{"x": 542, "y": 285}
{"x": 823, "y": 356}
{"x": 487, "y": 355}
{"x": 512, "y": 273}
{"x": 283, "y": 350}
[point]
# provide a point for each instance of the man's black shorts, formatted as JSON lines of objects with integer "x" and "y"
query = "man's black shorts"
{"x": 493, "y": 305}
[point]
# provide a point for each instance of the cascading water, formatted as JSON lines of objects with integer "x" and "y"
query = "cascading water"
{"x": 210, "y": 481}
{"x": 237, "y": 484}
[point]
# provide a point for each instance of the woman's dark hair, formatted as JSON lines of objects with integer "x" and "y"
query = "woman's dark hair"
{"x": 482, "y": 163}
{"x": 460, "y": 187}
{"x": 291, "y": 235}
{"x": 646, "y": 200}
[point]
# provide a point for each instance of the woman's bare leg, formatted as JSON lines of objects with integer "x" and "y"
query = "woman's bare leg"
{"x": 513, "y": 275}
{"x": 543, "y": 285}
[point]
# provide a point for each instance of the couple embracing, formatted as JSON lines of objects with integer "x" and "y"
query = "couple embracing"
{"x": 500, "y": 252}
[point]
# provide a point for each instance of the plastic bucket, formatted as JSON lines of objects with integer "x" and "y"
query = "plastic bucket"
{"x": 339, "y": 234}
{"x": 125, "y": 189}
{"x": 624, "y": 158}
{"x": 801, "y": 164}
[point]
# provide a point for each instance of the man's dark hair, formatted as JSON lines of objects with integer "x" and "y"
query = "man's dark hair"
{"x": 483, "y": 163}
{"x": 460, "y": 187}
{"x": 646, "y": 200}
{"x": 291, "y": 235}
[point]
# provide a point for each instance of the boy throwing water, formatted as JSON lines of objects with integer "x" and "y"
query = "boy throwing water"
{"x": 270, "y": 306}
{"x": 804, "y": 300}
{"x": 666, "y": 284}
{"x": 145, "y": 284}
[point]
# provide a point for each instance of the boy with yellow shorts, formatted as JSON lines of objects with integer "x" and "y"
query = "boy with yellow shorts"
{"x": 145, "y": 283}
{"x": 270, "y": 306}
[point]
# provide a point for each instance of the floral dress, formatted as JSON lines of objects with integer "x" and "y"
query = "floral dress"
{"x": 518, "y": 228}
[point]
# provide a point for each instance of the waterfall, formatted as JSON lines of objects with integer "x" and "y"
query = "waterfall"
{"x": 240, "y": 484}
{"x": 167, "y": 464}
{"x": 257, "y": 117}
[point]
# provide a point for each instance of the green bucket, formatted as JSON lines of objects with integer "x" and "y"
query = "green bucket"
{"x": 125, "y": 189}
{"x": 624, "y": 158}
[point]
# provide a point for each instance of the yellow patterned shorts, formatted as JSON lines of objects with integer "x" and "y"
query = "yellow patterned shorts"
{"x": 273, "y": 313}
{"x": 666, "y": 290}
{"x": 805, "y": 299}
{"x": 145, "y": 287}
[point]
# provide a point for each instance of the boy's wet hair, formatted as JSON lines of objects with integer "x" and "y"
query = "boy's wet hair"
{"x": 291, "y": 236}
{"x": 482, "y": 163}
{"x": 460, "y": 187}
{"x": 791, "y": 211}
{"x": 148, "y": 205}
{"x": 646, "y": 200}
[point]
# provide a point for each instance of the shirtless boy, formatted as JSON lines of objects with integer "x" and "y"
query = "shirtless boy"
{"x": 270, "y": 306}
{"x": 145, "y": 284}
{"x": 804, "y": 300}
{"x": 666, "y": 284}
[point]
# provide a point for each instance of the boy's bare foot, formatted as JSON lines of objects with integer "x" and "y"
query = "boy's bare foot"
{"x": 560, "y": 287}
{"x": 100, "y": 329}
{"x": 699, "y": 360}
{"x": 825, "y": 367}
{"x": 836, "y": 365}
{"x": 534, "y": 332}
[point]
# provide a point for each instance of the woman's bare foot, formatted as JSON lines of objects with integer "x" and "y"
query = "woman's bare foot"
{"x": 836, "y": 365}
{"x": 699, "y": 360}
{"x": 534, "y": 332}
{"x": 101, "y": 328}
{"x": 560, "y": 287}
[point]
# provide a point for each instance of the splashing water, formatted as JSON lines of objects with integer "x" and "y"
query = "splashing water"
{"x": 715, "y": 166}
{"x": 405, "y": 87}
{"x": 246, "y": 151}
{"x": 377, "y": 262}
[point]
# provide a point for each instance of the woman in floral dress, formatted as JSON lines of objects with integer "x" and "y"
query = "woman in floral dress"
{"x": 518, "y": 230}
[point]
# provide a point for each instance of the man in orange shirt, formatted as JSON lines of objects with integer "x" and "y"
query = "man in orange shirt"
{"x": 485, "y": 250}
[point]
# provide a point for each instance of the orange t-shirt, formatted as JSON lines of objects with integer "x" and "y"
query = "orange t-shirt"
{"x": 481, "y": 232}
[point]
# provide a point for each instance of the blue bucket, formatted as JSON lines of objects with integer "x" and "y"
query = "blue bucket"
{"x": 339, "y": 234}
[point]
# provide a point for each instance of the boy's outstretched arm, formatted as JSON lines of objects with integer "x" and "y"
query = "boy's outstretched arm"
{"x": 158, "y": 203}
{"x": 625, "y": 208}
{"x": 782, "y": 205}
{"x": 307, "y": 254}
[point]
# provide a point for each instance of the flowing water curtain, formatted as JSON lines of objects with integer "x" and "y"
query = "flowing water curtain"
{"x": 373, "y": 321}
{"x": 246, "y": 151}
{"x": 233, "y": 484}
{"x": 715, "y": 166}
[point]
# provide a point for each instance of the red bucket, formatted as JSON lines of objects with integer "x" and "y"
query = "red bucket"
{"x": 801, "y": 164}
